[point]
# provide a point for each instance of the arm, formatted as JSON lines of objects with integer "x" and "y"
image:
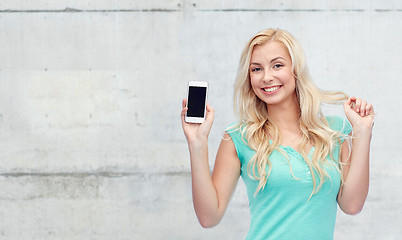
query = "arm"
{"x": 211, "y": 194}
{"x": 353, "y": 193}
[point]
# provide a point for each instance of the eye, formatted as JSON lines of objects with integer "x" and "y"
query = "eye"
{"x": 257, "y": 69}
{"x": 278, "y": 65}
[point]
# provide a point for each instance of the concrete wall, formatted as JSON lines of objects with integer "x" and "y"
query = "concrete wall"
{"x": 91, "y": 145}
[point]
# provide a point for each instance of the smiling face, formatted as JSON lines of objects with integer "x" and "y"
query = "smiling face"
{"x": 271, "y": 74}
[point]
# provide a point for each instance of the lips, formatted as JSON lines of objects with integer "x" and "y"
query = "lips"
{"x": 271, "y": 89}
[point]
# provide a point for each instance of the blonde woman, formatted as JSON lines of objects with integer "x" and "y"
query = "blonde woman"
{"x": 294, "y": 161}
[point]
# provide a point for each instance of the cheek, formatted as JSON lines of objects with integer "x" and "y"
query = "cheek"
{"x": 253, "y": 81}
{"x": 287, "y": 77}
{"x": 254, "y": 85}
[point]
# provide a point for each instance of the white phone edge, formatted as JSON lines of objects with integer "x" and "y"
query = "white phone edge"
{"x": 197, "y": 119}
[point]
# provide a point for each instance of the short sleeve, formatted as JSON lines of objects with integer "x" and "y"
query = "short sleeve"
{"x": 339, "y": 124}
{"x": 238, "y": 140}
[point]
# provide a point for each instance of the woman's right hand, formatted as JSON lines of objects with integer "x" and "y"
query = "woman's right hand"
{"x": 197, "y": 131}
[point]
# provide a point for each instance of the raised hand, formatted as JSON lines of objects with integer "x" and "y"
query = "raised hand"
{"x": 359, "y": 113}
{"x": 197, "y": 131}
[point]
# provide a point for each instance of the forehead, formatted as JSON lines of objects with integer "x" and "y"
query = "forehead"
{"x": 270, "y": 50}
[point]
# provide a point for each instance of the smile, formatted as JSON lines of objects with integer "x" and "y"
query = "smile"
{"x": 271, "y": 89}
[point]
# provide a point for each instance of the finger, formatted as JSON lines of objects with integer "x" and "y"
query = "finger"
{"x": 184, "y": 108}
{"x": 184, "y": 103}
{"x": 183, "y": 114}
{"x": 209, "y": 107}
{"x": 210, "y": 113}
{"x": 363, "y": 108}
{"x": 358, "y": 105}
{"x": 367, "y": 110}
{"x": 183, "y": 111}
{"x": 347, "y": 103}
{"x": 352, "y": 102}
{"x": 370, "y": 109}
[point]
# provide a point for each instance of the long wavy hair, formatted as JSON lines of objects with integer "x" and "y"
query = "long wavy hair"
{"x": 255, "y": 124}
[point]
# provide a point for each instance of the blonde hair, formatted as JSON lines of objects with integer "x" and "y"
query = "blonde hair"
{"x": 255, "y": 125}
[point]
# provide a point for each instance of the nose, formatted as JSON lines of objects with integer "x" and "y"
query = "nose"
{"x": 268, "y": 76}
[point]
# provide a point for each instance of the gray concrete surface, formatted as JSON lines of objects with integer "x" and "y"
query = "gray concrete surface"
{"x": 90, "y": 140}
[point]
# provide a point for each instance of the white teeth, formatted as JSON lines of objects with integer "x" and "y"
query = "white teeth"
{"x": 271, "y": 89}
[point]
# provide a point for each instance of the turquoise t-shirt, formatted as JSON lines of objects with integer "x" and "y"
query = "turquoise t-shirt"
{"x": 282, "y": 210}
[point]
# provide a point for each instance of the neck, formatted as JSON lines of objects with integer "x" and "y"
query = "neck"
{"x": 286, "y": 115}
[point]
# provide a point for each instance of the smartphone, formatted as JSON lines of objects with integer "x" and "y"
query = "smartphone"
{"x": 196, "y": 101}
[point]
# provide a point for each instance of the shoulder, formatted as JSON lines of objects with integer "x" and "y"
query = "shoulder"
{"x": 237, "y": 133}
{"x": 234, "y": 131}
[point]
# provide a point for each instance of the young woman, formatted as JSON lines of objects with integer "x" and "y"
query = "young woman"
{"x": 293, "y": 159}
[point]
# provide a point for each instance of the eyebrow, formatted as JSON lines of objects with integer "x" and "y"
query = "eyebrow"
{"x": 276, "y": 59}
{"x": 273, "y": 60}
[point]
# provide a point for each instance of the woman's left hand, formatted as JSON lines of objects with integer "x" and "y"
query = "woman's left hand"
{"x": 359, "y": 113}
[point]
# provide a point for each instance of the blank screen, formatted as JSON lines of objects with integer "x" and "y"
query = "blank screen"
{"x": 196, "y": 101}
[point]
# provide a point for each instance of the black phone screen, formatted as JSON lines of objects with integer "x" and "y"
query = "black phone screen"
{"x": 196, "y": 101}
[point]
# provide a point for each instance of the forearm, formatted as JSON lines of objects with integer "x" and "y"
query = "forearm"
{"x": 355, "y": 189}
{"x": 205, "y": 198}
